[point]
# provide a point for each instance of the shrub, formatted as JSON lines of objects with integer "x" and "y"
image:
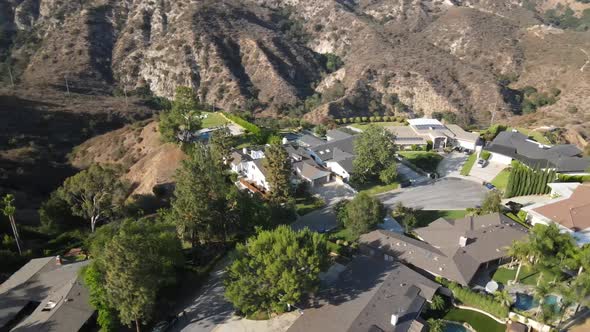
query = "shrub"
{"x": 364, "y": 119}
{"x": 358, "y": 119}
{"x": 476, "y": 300}
{"x": 485, "y": 155}
{"x": 373, "y": 119}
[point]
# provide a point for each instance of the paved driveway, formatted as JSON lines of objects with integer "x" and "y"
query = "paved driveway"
{"x": 324, "y": 219}
{"x": 487, "y": 173}
{"x": 409, "y": 174}
{"x": 451, "y": 164}
{"x": 443, "y": 194}
{"x": 209, "y": 308}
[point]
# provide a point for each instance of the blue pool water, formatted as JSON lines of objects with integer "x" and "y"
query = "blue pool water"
{"x": 524, "y": 302}
{"x": 527, "y": 302}
{"x": 454, "y": 327}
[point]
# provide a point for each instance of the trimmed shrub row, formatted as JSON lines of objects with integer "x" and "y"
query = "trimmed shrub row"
{"x": 254, "y": 129}
{"x": 472, "y": 299}
{"x": 361, "y": 119}
{"x": 524, "y": 181}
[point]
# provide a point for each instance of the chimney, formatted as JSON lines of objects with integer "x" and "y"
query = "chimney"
{"x": 245, "y": 150}
{"x": 463, "y": 241}
{"x": 285, "y": 141}
{"x": 394, "y": 319}
{"x": 58, "y": 260}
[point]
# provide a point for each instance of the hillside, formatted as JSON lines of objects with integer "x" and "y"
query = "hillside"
{"x": 67, "y": 68}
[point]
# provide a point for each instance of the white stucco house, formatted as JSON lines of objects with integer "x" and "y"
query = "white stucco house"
{"x": 420, "y": 131}
{"x": 569, "y": 210}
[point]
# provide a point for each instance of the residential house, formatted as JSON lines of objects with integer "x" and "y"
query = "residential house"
{"x": 422, "y": 130}
{"x": 45, "y": 295}
{"x": 453, "y": 249}
{"x": 569, "y": 210}
{"x": 370, "y": 295}
{"x": 309, "y": 141}
{"x": 336, "y": 155}
{"x": 512, "y": 145}
{"x": 248, "y": 163}
{"x": 306, "y": 168}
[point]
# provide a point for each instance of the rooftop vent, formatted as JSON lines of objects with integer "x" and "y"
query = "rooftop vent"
{"x": 394, "y": 319}
{"x": 463, "y": 241}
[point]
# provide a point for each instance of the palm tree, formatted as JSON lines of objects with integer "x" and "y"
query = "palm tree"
{"x": 568, "y": 297}
{"x": 8, "y": 210}
{"x": 436, "y": 325}
{"x": 520, "y": 251}
{"x": 541, "y": 291}
{"x": 437, "y": 303}
{"x": 581, "y": 290}
{"x": 503, "y": 297}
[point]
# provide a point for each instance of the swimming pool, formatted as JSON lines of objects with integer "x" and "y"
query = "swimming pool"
{"x": 527, "y": 302}
{"x": 524, "y": 302}
{"x": 454, "y": 327}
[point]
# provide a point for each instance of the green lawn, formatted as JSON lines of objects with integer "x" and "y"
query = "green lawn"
{"x": 425, "y": 160}
{"x": 363, "y": 126}
{"x": 501, "y": 180}
{"x": 468, "y": 164}
{"x": 528, "y": 275}
{"x": 342, "y": 234}
{"x": 425, "y": 217}
{"x": 213, "y": 120}
{"x": 480, "y": 322}
{"x": 376, "y": 188}
{"x": 307, "y": 204}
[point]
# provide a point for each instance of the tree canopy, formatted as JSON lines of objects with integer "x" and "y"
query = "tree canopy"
{"x": 133, "y": 260}
{"x": 375, "y": 156}
{"x": 275, "y": 269}
{"x": 278, "y": 169}
{"x": 184, "y": 116}
{"x": 96, "y": 194}
{"x": 361, "y": 214}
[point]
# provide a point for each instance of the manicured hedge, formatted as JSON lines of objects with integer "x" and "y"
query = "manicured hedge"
{"x": 573, "y": 178}
{"x": 385, "y": 118}
{"x": 243, "y": 123}
{"x": 524, "y": 181}
{"x": 472, "y": 299}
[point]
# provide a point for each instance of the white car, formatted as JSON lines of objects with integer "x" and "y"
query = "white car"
{"x": 481, "y": 163}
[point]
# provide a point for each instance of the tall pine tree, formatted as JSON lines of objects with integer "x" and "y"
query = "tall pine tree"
{"x": 278, "y": 174}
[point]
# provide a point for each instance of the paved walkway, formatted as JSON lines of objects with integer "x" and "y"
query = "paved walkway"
{"x": 528, "y": 200}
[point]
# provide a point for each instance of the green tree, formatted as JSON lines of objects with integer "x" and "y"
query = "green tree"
{"x": 136, "y": 259}
{"x": 375, "y": 153}
{"x": 221, "y": 147}
{"x": 437, "y": 303}
{"x": 184, "y": 116}
{"x": 492, "y": 203}
{"x": 389, "y": 174}
{"x": 8, "y": 210}
{"x": 363, "y": 213}
{"x": 275, "y": 269}
{"x": 278, "y": 170}
{"x": 198, "y": 196}
{"x": 94, "y": 280}
{"x": 503, "y": 297}
{"x": 519, "y": 251}
{"x": 96, "y": 194}
{"x": 435, "y": 325}
{"x": 409, "y": 221}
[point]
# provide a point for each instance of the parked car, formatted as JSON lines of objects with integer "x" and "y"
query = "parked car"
{"x": 490, "y": 186}
{"x": 467, "y": 152}
{"x": 405, "y": 183}
{"x": 481, "y": 163}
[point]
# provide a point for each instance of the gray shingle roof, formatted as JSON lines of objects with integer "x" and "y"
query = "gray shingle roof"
{"x": 336, "y": 134}
{"x": 310, "y": 140}
{"x": 564, "y": 158}
{"x": 40, "y": 281}
{"x": 441, "y": 254}
{"x": 365, "y": 296}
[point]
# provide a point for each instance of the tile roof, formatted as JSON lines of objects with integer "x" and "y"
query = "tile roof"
{"x": 364, "y": 297}
{"x": 572, "y": 212}
{"x": 440, "y": 252}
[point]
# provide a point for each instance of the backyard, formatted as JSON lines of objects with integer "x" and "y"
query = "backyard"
{"x": 211, "y": 120}
{"x": 363, "y": 126}
{"x": 425, "y": 160}
{"x": 480, "y": 322}
{"x": 528, "y": 275}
